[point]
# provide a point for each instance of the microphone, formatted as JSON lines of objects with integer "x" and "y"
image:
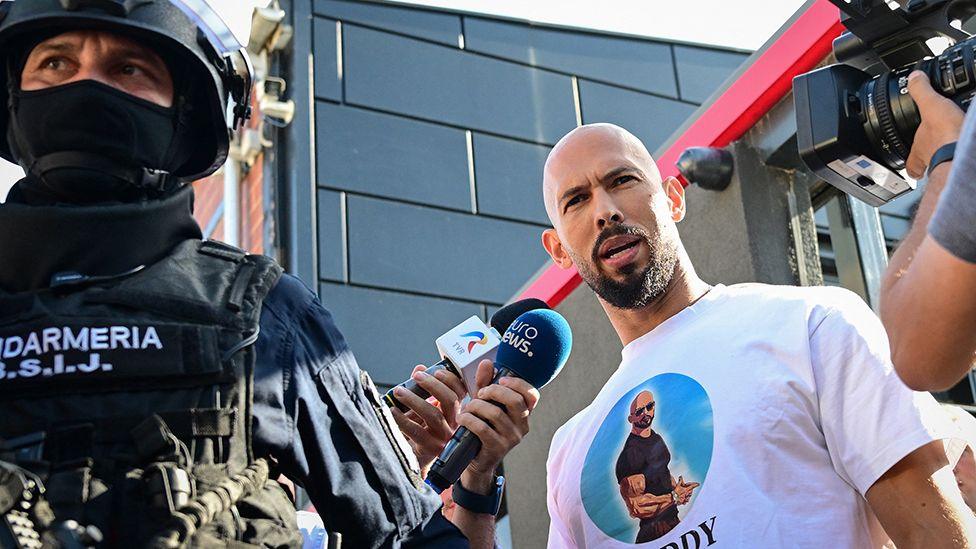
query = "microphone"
{"x": 466, "y": 345}
{"x": 535, "y": 348}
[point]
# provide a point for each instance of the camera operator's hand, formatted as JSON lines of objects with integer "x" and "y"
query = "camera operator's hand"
{"x": 429, "y": 425}
{"x": 941, "y": 123}
{"x": 499, "y": 429}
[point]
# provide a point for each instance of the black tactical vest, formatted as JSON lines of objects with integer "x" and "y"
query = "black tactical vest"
{"x": 125, "y": 405}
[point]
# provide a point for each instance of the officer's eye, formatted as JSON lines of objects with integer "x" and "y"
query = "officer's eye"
{"x": 132, "y": 70}
{"x": 622, "y": 180}
{"x": 54, "y": 63}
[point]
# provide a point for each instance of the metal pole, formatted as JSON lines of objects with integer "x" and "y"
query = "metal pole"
{"x": 859, "y": 246}
{"x": 232, "y": 202}
{"x": 871, "y": 246}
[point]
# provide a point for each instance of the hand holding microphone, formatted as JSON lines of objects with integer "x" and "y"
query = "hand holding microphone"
{"x": 428, "y": 425}
{"x": 532, "y": 352}
{"x": 498, "y": 417}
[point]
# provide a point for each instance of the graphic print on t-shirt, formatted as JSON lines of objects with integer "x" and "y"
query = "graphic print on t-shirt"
{"x": 649, "y": 459}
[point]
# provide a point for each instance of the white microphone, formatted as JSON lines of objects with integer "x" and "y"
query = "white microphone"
{"x": 466, "y": 345}
{"x": 461, "y": 350}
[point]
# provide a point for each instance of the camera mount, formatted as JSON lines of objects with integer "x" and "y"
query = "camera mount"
{"x": 881, "y": 38}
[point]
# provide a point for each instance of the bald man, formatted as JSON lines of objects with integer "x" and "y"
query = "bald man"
{"x": 785, "y": 396}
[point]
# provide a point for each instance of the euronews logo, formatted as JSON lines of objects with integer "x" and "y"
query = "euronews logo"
{"x": 520, "y": 336}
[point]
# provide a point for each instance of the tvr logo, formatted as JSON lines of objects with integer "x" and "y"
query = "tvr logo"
{"x": 479, "y": 338}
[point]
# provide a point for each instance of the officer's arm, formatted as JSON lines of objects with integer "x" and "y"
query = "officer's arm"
{"x": 325, "y": 435}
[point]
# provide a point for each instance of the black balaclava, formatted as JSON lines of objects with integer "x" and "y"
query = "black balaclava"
{"x": 87, "y": 142}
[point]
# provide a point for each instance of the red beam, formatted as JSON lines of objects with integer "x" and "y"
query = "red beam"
{"x": 553, "y": 285}
{"x": 764, "y": 83}
{"x": 767, "y": 80}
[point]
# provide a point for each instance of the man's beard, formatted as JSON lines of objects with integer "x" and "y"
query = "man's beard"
{"x": 644, "y": 422}
{"x": 639, "y": 288}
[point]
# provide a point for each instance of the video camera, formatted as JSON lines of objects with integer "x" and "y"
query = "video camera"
{"x": 855, "y": 122}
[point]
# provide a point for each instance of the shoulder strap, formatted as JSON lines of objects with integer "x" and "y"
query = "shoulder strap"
{"x": 255, "y": 277}
{"x": 254, "y": 280}
{"x": 222, "y": 250}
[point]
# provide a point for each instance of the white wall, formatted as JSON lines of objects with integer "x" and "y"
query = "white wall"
{"x": 9, "y": 174}
{"x": 237, "y": 15}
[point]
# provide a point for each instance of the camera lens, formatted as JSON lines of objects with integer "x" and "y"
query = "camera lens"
{"x": 890, "y": 116}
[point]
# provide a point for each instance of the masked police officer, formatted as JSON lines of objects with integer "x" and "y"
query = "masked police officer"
{"x": 152, "y": 384}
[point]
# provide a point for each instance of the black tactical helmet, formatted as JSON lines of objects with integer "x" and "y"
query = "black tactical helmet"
{"x": 186, "y": 32}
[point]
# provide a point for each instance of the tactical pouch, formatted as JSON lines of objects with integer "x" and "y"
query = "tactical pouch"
{"x": 24, "y": 513}
{"x": 168, "y": 487}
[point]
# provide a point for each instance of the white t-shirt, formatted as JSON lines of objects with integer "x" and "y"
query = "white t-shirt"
{"x": 780, "y": 402}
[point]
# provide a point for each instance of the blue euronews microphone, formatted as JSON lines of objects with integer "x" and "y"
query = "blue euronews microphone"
{"x": 535, "y": 348}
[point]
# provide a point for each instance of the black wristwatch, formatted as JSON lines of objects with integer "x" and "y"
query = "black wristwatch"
{"x": 477, "y": 503}
{"x": 945, "y": 153}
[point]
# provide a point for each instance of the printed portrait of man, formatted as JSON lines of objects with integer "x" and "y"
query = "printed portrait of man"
{"x": 649, "y": 491}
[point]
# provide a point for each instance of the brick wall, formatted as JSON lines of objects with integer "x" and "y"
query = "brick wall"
{"x": 209, "y": 207}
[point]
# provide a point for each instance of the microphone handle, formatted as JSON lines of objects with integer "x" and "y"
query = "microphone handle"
{"x": 411, "y": 385}
{"x": 460, "y": 451}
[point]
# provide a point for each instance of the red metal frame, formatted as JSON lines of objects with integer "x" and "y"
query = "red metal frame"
{"x": 768, "y": 79}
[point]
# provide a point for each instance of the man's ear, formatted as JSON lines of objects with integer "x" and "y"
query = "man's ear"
{"x": 552, "y": 244}
{"x": 675, "y": 192}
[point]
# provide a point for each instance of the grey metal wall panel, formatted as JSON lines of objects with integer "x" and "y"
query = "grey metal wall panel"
{"x": 294, "y": 151}
{"x": 391, "y": 332}
{"x": 508, "y": 175}
{"x": 327, "y": 85}
{"x": 332, "y": 257}
{"x": 382, "y": 154}
{"x": 434, "y": 82}
{"x": 701, "y": 71}
{"x": 440, "y": 27}
{"x": 650, "y": 118}
{"x": 401, "y": 246}
{"x": 490, "y": 310}
{"x": 636, "y": 63}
